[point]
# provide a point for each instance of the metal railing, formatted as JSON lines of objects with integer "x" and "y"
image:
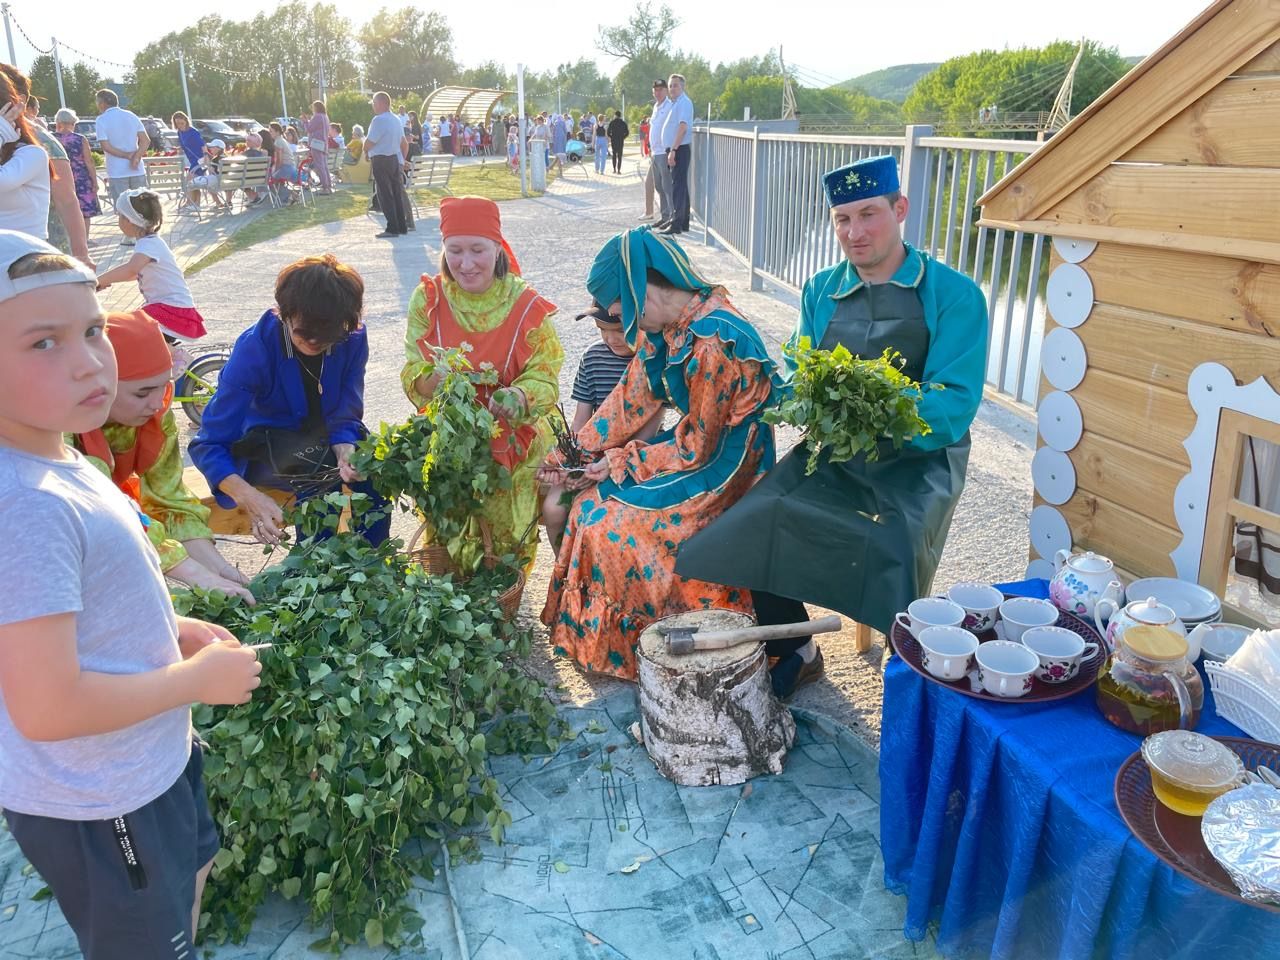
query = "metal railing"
{"x": 760, "y": 197}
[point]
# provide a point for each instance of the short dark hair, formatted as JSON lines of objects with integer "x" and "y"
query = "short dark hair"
{"x": 501, "y": 265}
{"x": 318, "y": 106}
{"x": 34, "y": 264}
{"x": 108, "y": 97}
{"x": 321, "y": 298}
{"x": 659, "y": 83}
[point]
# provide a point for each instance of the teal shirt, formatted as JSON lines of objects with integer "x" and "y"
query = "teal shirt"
{"x": 955, "y": 312}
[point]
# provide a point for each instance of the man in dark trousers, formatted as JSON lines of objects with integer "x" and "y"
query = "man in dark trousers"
{"x": 618, "y": 132}
{"x": 388, "y": 151}
{"x": 678, "y": 133}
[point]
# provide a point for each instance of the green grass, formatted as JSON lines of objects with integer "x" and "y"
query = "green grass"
{"x": 347, "y": 201}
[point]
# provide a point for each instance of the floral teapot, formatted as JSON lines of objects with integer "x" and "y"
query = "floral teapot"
{"x": 1145, "y": 613}
{"x": 1081, "y": 580}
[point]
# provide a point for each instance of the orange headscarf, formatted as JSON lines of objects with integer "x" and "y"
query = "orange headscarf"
{"x": 141, "y": 353}
{"x": 475, "y": 217}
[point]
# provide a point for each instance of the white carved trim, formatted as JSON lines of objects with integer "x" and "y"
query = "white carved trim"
{"x": 1210, "y": 389}
{"x": 1053, "y": 475}
{"x": 1049, "y": 531}
{"x": 1063, "y": 358}
{"x": 1039, "y": 570}
{"x": 1069, "y": 295}
{"x": 1072, "y": 250}
{"x": 1060, "y": 421}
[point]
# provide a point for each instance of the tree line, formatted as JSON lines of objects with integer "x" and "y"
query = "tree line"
{"x": 231, "y": 70}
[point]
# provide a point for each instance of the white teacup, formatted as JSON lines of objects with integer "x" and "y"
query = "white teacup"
{"x": 1020, "y": 614}
{"x": 946, "y": 651}
{"x": 980, "y": 602}
{"x": 930, "y": 612}
{"x": 1005, "y": 668}
{"x": 1060, "y": 652}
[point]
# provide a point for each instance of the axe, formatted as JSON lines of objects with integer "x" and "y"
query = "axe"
{"x": 682, "y": 640}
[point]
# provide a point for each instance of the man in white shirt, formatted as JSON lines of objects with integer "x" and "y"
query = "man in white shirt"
{"x": 659, "y": 172}
{"x": 446, "y": 134}
{"x": 124, "y": 141}
{"x": 677, "y": 134}
{"x": 388, "y": 151}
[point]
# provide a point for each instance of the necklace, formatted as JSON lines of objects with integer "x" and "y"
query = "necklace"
{"x": 307, "y": 371}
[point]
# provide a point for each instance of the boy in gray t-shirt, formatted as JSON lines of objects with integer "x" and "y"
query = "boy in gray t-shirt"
{"x": 98, "y": 780}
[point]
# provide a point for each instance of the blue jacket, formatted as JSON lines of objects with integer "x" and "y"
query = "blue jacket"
{"x": 192, "y": 145}
{"x": 261, "y": 386}
{"x": 955, "y": 312}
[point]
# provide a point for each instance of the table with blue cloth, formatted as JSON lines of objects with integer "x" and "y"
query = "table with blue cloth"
{"x": 999, "y": 822}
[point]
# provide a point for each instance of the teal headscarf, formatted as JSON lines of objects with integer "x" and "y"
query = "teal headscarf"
{"x": 618, "y": 274}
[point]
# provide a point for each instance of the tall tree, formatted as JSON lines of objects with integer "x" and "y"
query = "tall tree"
{"x": 407, "y": 48}
{"x": 79, "y": 80}
{"x": 644, "y": 35}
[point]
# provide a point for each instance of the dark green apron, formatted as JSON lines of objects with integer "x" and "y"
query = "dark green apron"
{"x": 860, "y": 537}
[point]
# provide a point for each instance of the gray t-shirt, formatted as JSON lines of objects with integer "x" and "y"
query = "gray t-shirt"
{"x": 71, "y": 542}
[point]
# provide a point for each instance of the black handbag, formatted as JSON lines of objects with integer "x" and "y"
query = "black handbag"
{"x": 290, "y": 454}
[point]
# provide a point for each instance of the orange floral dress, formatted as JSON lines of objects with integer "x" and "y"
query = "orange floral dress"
{"x": 615, "y": 573}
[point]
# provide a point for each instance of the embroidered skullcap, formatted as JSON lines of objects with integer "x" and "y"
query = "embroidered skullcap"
{"x": 862, "y": 179}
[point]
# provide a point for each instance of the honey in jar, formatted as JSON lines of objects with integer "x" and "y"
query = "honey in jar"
{"x": 1189, "y": 770}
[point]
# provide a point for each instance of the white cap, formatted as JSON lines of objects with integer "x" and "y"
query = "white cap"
{"x": 216, "y": 143}
{"x": 15, "y": 245}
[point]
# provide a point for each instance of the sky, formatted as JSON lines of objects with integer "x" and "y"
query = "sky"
{"x": 826, "y": 41}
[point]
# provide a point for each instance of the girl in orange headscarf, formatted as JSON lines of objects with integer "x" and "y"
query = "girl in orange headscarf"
{"x": 480, "y": 299}
{"x": 138, "y": 449}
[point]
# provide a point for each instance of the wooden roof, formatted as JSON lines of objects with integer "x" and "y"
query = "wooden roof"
{"x": 1216, "y": 44}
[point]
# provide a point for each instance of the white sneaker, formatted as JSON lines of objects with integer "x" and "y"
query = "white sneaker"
{"x": 646, "y": 218}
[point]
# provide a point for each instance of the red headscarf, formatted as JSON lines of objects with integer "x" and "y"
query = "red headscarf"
{"x": 475, "y": 217}
{"x": 141, "y": 353}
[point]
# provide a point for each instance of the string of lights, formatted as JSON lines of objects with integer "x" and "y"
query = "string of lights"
{"x": 27, "y": 37}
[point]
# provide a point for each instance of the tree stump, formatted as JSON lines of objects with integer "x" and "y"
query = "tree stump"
{"x": 710, "y": 717}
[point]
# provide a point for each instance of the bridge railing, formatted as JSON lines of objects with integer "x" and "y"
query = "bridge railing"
{"x": 760, "y": 197}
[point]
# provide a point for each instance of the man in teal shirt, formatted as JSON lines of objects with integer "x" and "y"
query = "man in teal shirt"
{"x": 861, "y": 537}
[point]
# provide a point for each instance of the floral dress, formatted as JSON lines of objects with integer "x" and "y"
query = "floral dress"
{"x": 615, "y": 574}
{"x": 510, "y": 514}
{"x": 82, "y": 171}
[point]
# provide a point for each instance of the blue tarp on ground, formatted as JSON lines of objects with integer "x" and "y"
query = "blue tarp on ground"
{"x": 788, "y": 866}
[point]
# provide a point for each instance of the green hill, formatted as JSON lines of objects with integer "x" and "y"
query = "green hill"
{"x": 891, "y": 83}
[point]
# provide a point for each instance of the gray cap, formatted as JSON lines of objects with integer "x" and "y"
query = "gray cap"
{"x": 15, "y": 245}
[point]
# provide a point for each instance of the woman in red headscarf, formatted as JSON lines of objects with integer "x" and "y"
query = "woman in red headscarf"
{"x": 138, "y": 449}
{"x": 480, "y": 299}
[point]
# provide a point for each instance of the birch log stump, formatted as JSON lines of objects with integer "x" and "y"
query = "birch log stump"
{"x": 710, "y": 717}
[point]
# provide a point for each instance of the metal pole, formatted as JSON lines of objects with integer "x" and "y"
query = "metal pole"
{"x": 8, "y": 33}
{"x": 182, "y": 69}
{"x": 559, "y": 106}
{"x": 57, "y": 67}
{"x": 524, "y": 160}
{"x": 284, "y": 104}
{"x": 322, "y": 79}
{"x": 363, "y": 92}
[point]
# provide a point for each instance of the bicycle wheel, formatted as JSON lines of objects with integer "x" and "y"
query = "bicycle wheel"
{"x": 196, "y": 387}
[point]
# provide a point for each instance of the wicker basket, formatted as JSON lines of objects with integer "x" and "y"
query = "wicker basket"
{"x": 1245, "y": 702}
{"x": 434, "y": 557}
{"x": 436, "y": 561}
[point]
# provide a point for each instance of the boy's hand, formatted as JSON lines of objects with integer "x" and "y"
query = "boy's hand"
{"x": 194, "y": 635}
{"x": 195, "y": 574}
{"x": 226, "y": 673}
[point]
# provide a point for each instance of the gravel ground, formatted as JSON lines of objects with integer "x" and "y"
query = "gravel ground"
{"x": 555, "y": 238}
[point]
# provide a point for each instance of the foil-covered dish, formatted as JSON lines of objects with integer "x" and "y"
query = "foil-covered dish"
{"x": 1241, "y": 828}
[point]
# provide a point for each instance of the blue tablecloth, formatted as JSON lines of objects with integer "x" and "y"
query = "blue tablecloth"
{"x": 999, "y": 822}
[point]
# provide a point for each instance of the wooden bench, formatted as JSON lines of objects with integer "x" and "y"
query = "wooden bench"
{"x": 429, "y": 172}
{"x": 244, "y": 173}
{"x": 167, "y": 175}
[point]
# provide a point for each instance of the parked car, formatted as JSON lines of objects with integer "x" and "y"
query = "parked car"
{"x": 243, "y": 124}
{"x": 216, "y": 129}
{"x": 287, "y": 122}
{"x": 89, "y": 130}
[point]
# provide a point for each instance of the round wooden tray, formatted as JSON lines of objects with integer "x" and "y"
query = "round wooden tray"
{"x": 908, "y": 648}
{"x": 1174, "y": 837}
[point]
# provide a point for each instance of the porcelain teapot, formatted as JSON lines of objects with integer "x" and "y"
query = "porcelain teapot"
{"x": 1081, "y": 580}
{"x": 1146, "y": 613}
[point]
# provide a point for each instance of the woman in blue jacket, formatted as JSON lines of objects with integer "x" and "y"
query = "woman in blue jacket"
{"x": 288, "y": 408}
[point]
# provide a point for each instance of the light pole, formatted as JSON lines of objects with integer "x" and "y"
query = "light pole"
{"x": 57, "y": 68}
{"x": 284, "y": 103}
{"x": 182, "y": 69}
{"x": 8, "y": 33}
{"x": 524, "y": 160}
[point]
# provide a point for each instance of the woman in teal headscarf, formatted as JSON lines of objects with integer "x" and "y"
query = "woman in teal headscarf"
{"x": 615, "y": 573}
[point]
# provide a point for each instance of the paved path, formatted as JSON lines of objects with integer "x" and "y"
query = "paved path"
{"x": 556, "y": 237}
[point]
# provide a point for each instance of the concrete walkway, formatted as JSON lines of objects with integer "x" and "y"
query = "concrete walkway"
{"x": 555, "y": 237}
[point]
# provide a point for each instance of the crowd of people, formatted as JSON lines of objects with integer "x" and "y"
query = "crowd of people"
{"x": 682, "y": 503}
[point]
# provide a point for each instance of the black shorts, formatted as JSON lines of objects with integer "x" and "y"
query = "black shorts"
{"x": 126, "y": 886}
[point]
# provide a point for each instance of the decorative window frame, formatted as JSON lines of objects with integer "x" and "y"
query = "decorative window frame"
{"x": 1215, "y": 395}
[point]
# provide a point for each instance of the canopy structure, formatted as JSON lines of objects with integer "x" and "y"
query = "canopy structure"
{"x": 472, "y": 104}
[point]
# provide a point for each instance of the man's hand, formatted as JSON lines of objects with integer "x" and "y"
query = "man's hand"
{"x": 671, "y": 159}
{"x": 194, "y": 635}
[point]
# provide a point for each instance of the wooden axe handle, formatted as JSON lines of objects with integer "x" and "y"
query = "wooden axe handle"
{"x": 719, "y": 639}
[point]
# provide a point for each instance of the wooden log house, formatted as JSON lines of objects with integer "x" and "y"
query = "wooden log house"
{"x": 1163, "y": 201}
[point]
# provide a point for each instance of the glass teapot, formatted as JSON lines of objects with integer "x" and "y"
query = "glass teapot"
{"x": 1148, "y": 684}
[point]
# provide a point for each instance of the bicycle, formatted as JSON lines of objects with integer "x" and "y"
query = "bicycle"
{"x": 196, "y": 384}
